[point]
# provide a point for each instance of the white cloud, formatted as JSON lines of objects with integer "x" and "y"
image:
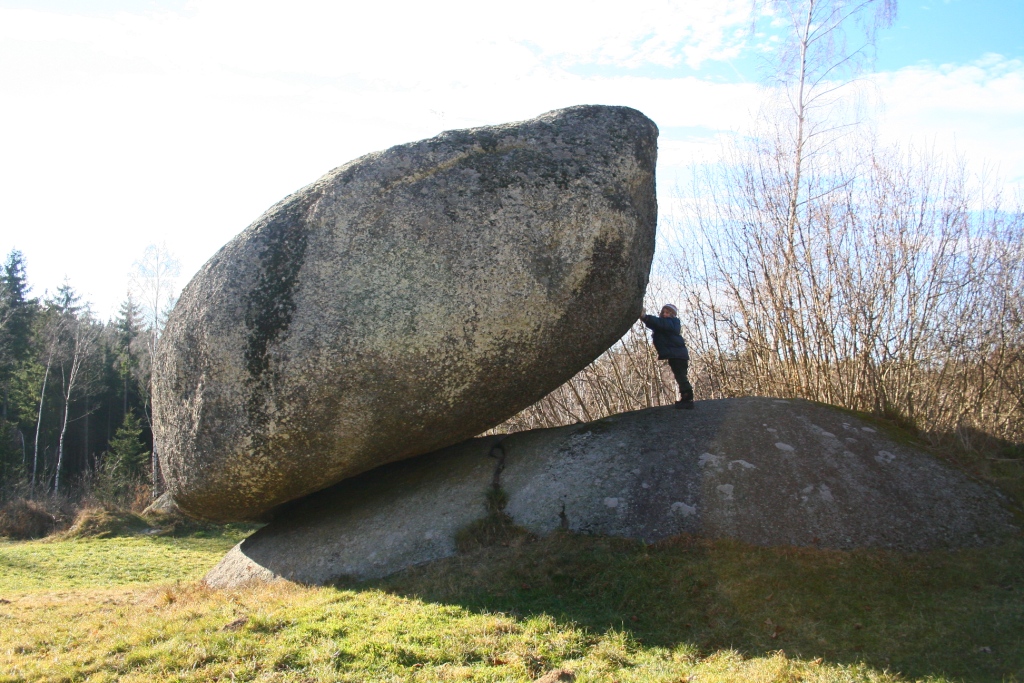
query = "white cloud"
{"x": 975, "y": 109}
{"x": 415, "y": 39}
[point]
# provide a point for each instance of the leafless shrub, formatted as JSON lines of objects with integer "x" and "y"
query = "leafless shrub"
{"x": 626, "y": 377}
{"x": 895, "y": 290}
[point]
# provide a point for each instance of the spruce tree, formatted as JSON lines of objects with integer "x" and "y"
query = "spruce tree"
{"x": 16, "y": 311}
{"x": 127, "y": 460}
{"x": 15, "y": 324}
{"x": 129, "y": 330}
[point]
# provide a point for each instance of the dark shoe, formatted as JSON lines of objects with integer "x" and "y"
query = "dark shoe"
{"x": 685, "y": 405}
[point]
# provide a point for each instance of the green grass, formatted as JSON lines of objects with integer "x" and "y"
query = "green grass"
{"x": 130, "y": 609}
{"x": 109, "y": 562}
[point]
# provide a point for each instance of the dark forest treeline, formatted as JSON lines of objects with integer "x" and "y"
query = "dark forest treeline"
{"x": 74, "y": 390}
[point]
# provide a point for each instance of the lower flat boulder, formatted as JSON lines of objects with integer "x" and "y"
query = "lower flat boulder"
{"x": 764, "y": 471}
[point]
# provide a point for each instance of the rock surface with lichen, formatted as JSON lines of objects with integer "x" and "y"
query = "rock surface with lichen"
{"x": 763, "y": 471}
{"x": 403, "y": 302}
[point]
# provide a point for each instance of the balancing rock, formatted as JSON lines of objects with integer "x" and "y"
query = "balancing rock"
{"x": 403, "y": 302}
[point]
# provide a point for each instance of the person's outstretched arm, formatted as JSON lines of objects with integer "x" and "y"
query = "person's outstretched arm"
{"x": 663, "y": 324}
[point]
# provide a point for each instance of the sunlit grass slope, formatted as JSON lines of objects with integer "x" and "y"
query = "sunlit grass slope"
{"x": 131, "y": 609}
{"x": 110, "y": 562}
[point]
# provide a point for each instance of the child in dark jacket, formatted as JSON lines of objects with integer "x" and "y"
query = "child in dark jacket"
{"x": 670, "y": 346}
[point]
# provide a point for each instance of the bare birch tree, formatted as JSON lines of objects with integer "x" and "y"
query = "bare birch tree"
{"x": 51, "y": 349}
{"x": 154, "y": 285}
{"x": 79, "y": 350}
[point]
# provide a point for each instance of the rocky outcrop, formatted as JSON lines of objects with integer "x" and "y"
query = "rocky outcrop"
{"x": 403, "y": 302}
{"x": 763, "y": 471}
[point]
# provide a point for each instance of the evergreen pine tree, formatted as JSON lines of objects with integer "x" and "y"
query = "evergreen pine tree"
{"x": 15, "y": 324}
{"x": 67, "y": 300}
{"x": 15, "y": 338}
{"x": 127, "y": 460}
{"x": 129, "y": 330}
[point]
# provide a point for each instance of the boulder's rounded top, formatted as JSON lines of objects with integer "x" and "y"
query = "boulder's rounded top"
{"x": 588, "y": 112}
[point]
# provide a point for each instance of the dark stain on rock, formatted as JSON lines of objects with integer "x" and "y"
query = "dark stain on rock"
{"x": 514, "y": 167}
{"x": 488, "y": 141}
{"x": 270, "y": 304}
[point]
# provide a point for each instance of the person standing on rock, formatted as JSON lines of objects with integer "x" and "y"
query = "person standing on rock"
{"x": 671, "y": 347}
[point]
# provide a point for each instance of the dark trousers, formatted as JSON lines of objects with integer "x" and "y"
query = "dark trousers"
{"x": 680, "y": 366}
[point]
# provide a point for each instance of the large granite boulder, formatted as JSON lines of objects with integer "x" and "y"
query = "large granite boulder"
{"x": 405, "y": 301}
{"x": 763, "y": 471}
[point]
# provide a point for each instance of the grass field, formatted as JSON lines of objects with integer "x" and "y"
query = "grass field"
{"x": 130, "y": 608}
{"x": 109, "y": 562}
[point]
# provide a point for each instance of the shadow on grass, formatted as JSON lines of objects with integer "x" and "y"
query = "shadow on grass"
{"x": 952, "y": 614}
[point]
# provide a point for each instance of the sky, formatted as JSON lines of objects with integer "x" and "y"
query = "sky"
{"x": 126, "y": 123}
